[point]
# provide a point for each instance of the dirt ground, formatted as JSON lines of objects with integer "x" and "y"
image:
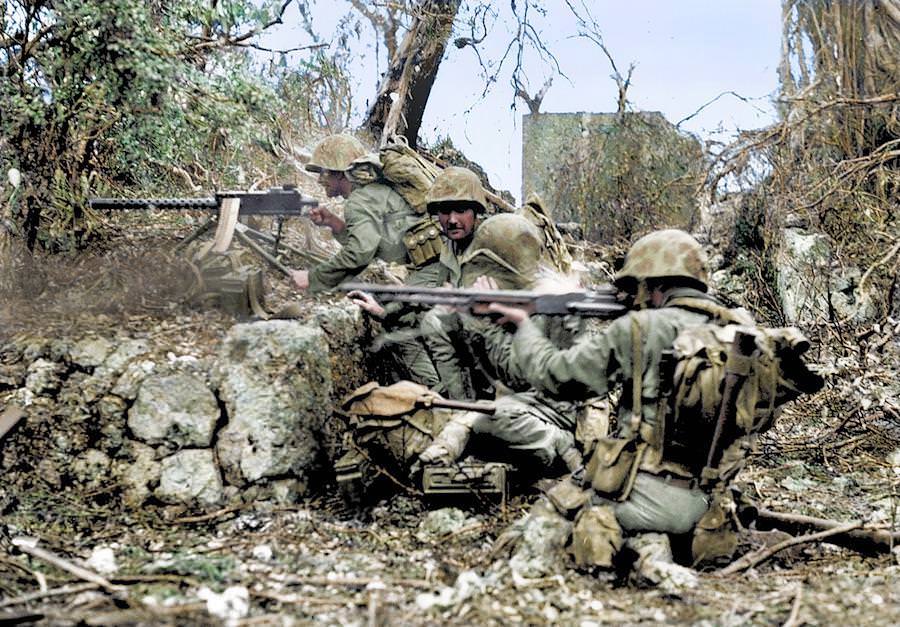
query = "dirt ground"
{"x": 834, "y": 455}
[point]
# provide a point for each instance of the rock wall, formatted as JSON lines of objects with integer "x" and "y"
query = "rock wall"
{"x": 616, "y": 175}
{"x": 252, "y": 418}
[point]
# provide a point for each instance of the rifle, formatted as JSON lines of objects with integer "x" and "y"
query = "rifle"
{"x": 282, "y": 202}
{"x": 599, "y": 302}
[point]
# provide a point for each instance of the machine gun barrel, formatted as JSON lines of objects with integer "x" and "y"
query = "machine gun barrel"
{"x": 600, "y": 302}
{"x": 277, "y": 201}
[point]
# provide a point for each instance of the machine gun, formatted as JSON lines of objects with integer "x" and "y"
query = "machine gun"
{"x": 281, "y": 202}
{"x": 599, "y": 302}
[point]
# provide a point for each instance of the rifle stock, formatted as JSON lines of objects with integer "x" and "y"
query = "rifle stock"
{"x": 601, "y": 302}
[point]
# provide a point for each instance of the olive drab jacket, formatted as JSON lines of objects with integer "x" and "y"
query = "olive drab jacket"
{"x": 589, "y": 366}
{"x": 377, "y": 217}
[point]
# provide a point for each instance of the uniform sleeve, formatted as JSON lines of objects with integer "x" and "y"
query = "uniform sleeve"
{"x": 432, "y": 275}
{"x": 575, "y": 373}
{"x": 361, "y": 240}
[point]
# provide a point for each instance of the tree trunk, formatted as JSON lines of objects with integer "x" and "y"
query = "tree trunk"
{"x": 404, "y": 90}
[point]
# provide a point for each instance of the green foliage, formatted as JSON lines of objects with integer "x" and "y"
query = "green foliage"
{"x": 104, "y": 95}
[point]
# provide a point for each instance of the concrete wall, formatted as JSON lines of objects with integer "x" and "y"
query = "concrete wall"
{"x": 617, "y": 175}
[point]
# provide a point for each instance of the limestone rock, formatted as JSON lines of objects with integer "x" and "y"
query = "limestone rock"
{"x": 139, "y": 474}
{"x": 190, "y": 477}
{"x": 655, "y": 567}
{"x": 178, "y": 410}
{"x": 442, "y": 522}
{"x": 91, "y": 468}
{"x": 128, "y": 385}
{"x": 106, "y": 375}
{"x": 542, "y": 538}
{"x": 813, "y": 286}
{"x": 44, "y": 376}
{"x": 90, "y": 352}
{"x": 275, "y": 380}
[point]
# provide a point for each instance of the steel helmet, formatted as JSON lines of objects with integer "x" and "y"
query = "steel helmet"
{"x": 458, "y": 185}
{"x": 335, "y": 152}
{"x": 670, "y": 253}
{"x": 506, "y": 247}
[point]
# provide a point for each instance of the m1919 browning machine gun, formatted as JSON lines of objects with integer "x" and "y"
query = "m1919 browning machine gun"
{"x": 598, "y": 302}
{"x": 280, "y": 202}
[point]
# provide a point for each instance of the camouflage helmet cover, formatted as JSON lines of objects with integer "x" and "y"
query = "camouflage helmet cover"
{"x": 456, "y": 184}
{"x": 336, "y": 153}
{"x": 507, "y": 243}
{"x": 670, "y": 253}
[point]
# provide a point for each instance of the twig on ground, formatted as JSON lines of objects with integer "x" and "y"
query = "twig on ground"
{"x": 356, "y": 582}
{"x": 27, "y": 545}
{"x": 53, "y": 592}
{"x": 793, "y": 617}
{"x": 756, "y": 558}
{"x": 210, "y": 516}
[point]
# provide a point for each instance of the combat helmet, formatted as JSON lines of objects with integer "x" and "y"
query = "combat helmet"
{"x": 456, "y": 185}
{"x": 667, "y": 254}
{"x": 506, "y": 247}
{"x": 336, "y": 153}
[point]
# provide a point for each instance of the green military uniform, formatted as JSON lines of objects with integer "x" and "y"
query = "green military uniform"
{"x": 473, "y": 356}
{"x": 377, "y": 218}
{"x": 587, "y": 368}
{"x": 637, "y": 486}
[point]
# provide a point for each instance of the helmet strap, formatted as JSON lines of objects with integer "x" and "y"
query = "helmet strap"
{"x": 642, "y": 295}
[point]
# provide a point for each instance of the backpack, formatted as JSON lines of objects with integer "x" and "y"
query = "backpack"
{"x": 387, "y": 423}
{"x": 401, "y": 167}
{"x": 771, "y": 373}
{"x": 555, "y": 249}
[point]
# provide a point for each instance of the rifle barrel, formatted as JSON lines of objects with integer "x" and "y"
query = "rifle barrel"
{"x": 155, "y": 203}
{"x": 278, "y": 201}
{"x": 600, "y": 302}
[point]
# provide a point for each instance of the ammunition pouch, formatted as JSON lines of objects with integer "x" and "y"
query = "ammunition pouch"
{"x": 715, "y": 536}
{"x": 613, "y": 466}
{"x": 423, "y": 242}
{"x": 596, "y": 537}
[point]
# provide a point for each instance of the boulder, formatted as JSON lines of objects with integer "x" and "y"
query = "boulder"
{"x": 139, "y": 473}
{"x": 190, "y": 477}
{"x": 542, "y": 536}
{"x": 44, "y": 376}
{"x": 814, "y": 286}
{"x": 274, "y": 378}
{"x": 177, "y": 410}
{"x": 88, "y": 353}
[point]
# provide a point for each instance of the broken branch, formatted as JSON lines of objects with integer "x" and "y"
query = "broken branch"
{"x": 756, "y": 558}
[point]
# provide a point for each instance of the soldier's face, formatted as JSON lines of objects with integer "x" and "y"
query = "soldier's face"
{"x": 335, "y": 183}
{"x": 457, "y": 224}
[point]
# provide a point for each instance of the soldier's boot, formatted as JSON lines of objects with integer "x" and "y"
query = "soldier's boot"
{"x": 654, "y": 565}
{"x": 448, "y": 445}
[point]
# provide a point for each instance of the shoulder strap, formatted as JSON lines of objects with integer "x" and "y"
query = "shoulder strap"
{"x": 718, "y": 313}
{"x": 637, "y": 376}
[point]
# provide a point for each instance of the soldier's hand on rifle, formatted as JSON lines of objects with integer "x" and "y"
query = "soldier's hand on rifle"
{"x": 367, "y": 302}
{"x": 508, "y": 313}
{"x": 323, "y": 217}
{"x": 301, "y": 279}
{"x": 484, "y": 284}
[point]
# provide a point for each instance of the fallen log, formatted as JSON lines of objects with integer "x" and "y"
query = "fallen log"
{"x": 864, "y": 540}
